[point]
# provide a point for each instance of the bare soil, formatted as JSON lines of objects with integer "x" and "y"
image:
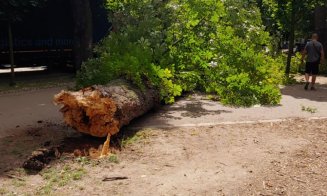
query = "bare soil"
{"x": 277, "y": 158}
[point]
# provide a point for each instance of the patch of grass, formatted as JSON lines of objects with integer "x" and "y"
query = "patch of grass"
{"x": 20, "y": 171}
{"x": 113, "y": 158}
{"x": 137, "y": 137}
{"x": 18, "y": 183}
{"x": 311, "y": 110}
{"x": 128, "y": 140}
{"x": 213, "y": 97}
{"x": 4, "y": 191}
{"x": 61, "y": 178}
{"x": 83, "y": 160}
{"x": 290, "y": 80}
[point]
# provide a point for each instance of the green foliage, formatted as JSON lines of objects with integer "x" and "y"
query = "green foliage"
{"x": 178, "y": 45}
{"x": 4, "y": 191}
{"x": 296, "y": 63}
{"x": 83, "y": 160}
{"x": 231, "y": 37}
{"x": 55, "y": 179}
{"x": 276, "y": 15}
{"x": 113, "y": 158}
{"x": 130, "y": 139}
{"x": 120, "y": 57}
{"x": 311, "y": 110}
{"x": 289, "y": 80}
{"x": 255, "y": 82}
{"x": 323, "y": 67}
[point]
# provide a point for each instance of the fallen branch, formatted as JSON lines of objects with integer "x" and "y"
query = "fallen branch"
{"x": 296, "y": 179}
{"x": 114, "y": 178}
{"x": 14, "y": 177}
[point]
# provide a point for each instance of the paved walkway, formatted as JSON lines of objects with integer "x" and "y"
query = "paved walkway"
{"x": 197, "y": 111}
{"x": 27, "y": 108}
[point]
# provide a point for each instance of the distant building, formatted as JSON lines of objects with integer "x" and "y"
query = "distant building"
{"x": 49, "y": 30}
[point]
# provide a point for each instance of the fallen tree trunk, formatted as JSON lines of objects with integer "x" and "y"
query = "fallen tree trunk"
{"x": 102, "y": 110}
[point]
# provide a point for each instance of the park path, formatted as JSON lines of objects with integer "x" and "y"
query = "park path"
{"x": 196, "y": 110}
{"x": 28, "y": 108}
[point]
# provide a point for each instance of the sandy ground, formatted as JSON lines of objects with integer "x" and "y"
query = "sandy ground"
{"x": 168, "y": 153}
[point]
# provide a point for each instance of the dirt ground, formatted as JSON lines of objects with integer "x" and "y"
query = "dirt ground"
{"x": 277, "y": 158}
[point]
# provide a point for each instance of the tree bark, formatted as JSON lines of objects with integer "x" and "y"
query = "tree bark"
{"x": 321, "y": 25}
{"x": 102, "y": 110}
{"x": 260, "y": 5}
{"x": 83, "y": 31}
{"x": 291, "y": 40}
{"x": 11, "y": 55}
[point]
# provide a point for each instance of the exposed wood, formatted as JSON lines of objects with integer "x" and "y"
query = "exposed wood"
{"x": 106, "y": 145}
{"x": 102, "y": 110}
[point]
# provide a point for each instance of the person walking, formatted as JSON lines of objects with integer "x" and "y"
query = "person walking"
{"x": 314, "y": 54}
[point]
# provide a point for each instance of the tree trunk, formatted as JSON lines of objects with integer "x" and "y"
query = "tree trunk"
{"x": 11, "y": 55}
{"x": 103, "y": 110}
{"x": 321, "y": 25}
{"x": 260, "y": 5}
{"x": 83, "y": 31}
{"x": 291, "y": 40}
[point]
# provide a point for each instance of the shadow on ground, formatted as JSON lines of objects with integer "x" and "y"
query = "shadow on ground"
{"x": 297, "y": 91}
{"x": 15, "y": 149}
{"x": 191, "y": 109}
{"x": 195, "y": 108}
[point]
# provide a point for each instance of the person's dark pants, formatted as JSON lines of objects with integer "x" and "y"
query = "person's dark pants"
{"x": 312, "y": 68}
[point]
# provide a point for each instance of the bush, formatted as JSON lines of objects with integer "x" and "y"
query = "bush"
{"x": 175, "y": 46}
{"x": 133, "y": 61}
{"x": 296, "y": 63}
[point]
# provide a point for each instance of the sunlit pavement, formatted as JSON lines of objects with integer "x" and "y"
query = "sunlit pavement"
{"x": 23, "y": 69}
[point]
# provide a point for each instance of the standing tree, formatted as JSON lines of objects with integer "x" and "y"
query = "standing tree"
{"x": 12, "y": 11}
{"x": 82, "y": 15}
{"x": 286, "y": 17}
{"x": 321, "y": 24}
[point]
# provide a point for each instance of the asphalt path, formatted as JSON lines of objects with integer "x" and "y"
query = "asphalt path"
{"x": 30, "y": 108}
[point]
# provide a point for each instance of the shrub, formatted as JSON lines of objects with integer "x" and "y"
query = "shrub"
{"x": 174, "y": 46}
